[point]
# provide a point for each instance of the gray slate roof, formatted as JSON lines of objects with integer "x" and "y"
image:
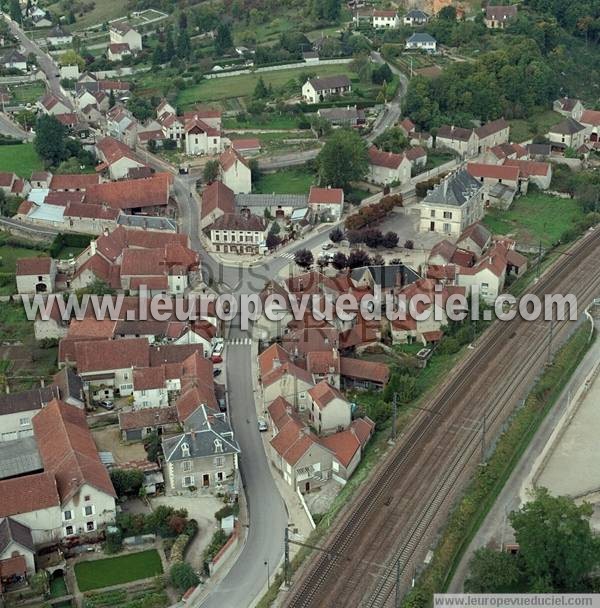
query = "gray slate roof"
{"x": 33, "y": 399}
{"x": 19, "y": 456}
{"x": 147, "y": 222}
{"x": 455, "y": 190}
{"x": 13, "y": 56}
{"x": 421, "y": 37}
{"x": 415, "y": 13}
{"x": 330, "y": 82}
{"x": 202, "y": 430}
{"x": 11, "y": 530}
{"x": 385, "y": 276}
{"x": 271, "y": 200}
{"x": 568, "y": 126}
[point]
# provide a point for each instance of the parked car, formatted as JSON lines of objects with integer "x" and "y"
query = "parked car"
{"x": 262, "y": 425}
{"x": 326, "y": 246}
{"x": 106, "y": 404}
{"x": 216, "y": 359}
{"x": 218, "y": 349}
{"x": 217, "y": 372}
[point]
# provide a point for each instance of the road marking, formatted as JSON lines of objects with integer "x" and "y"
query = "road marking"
{"x": 287, "y": 256}
{"x": 239, "y": 341}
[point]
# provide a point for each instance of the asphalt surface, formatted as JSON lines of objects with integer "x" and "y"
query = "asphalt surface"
{"x": 8, "y": 127}
{"x": 45, "y": 62}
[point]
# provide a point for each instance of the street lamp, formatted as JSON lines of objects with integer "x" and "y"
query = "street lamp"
{"x": 268, "y": 576}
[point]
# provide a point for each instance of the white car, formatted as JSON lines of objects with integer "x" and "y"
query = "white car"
{"x": 326, "y": 246}
{"x": 262, "y": 425}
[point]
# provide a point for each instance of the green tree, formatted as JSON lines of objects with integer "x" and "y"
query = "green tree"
{"x": 343, "y": 159}
{"x": 392, "y": 140}
{"x": 223, "y": 40}
{"x": 169, "y": 46}
{"x": 184, "y": 46}
{"x": 157, "y": 56}
{"x": 492, "y": 572}
{"x": 127, "y": 481}
{"x": 97, "y": 287}
{"x": 260, "y": 90}
{"x": 304, "y": 258}
{"x": 14, "y": 11}
{"x": 70, "y": 57}
{"x": 111, "y": 99}
{"x": 211, "y": 171}
{"x": 50, "y": 139}
{"x": 183, "y": 576}
{"x": 556, "y": 542}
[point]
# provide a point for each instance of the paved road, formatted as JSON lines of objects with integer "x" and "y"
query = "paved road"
{"x": 393, "y": 109}
{"x": 12, "y": 129}
{"x": 45, "y": 62}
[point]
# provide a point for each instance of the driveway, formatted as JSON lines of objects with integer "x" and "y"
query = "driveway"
{"x": 202, "y": 508}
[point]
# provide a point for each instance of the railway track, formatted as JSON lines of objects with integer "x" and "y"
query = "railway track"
{"x": 382, "y": 532}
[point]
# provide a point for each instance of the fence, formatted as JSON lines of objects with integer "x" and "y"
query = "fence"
{"x": 226, "y": 550}
{"x": 273, "y": 68}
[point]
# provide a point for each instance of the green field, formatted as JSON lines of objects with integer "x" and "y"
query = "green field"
{"x": 285, "y": 181}
{"x": 243, "y": 85}
{"x": 21, "y": 159}
{"x": 27, "y": 93}
{"x": 535, "y": 217}
{"x": 117, "y": 570}
{"x": 266, "y": 121}
{"x": 538, "y": 124}
{"x": 103, "y": 11}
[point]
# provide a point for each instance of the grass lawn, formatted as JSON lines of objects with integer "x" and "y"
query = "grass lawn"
{"x": 286, "y": 181}
{"x": 9, "y": 254}
{"x": 243, "y": 85}
{"x": 105, "y": 10}
{"x": 535, "y": 217}
{"x": 117, "y": 570}
{"x": 21, "y": 159}
{"x": 267, "y": 121}
{"x": 58, "y": 587}
{"x": 13, "y": 322}
{"x": 27, "y": 93}
{"x": 537, "y": 124}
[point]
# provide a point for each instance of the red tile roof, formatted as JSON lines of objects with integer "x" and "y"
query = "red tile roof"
{"x": 363, "y": 427}
{"x": 489, "y": 128}
{"x": 28, "y": 493}
{"x": 101, "y": 355}
{"x": 62, "y": 198}
{"x": 323, "y": 393}
{"x": 344, "y": 444}
{"x": 279, "y": 411}
{"x": 130, "y": 194}
{"x": 590, "y": 117}
{"x": 90, "y": 327}
{"x": 506, "y": 172}
{"x": 147, "y": 417}
{"x": 217, "y": 196}
{"x": 68, "y": 450}
{"x": 293, "y": 440}
{"x": 96, "y": 212}
{"x": 33, "y": 266}
{"x": 364, "y": 370}
{"x": 6, "y": 179}
{"x": 74, "y": 181}
{"x": 529, "y": 167}
{"x": 385, "y": 159}
{"x": 241, "y": 145}
{"x": 325, "y": 196}
{"x": 112, "y": 150}
{"x": 148, "y": 378}
{"x": 323, "y": 362}
{"x": 229, "y": 157}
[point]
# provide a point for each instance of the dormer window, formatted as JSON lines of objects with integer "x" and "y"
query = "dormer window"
{"x": 218, "y": 445}
{"x": 185, "y": 450}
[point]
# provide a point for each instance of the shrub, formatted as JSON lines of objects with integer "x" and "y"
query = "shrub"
{"x": 183, "y": 576}
{"x": 178, "y": 548}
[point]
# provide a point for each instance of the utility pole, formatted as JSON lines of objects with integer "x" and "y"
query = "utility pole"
{"x": 286, "y": 557}
{"x": 398, "y": 599}
{"x": 550, "y": 337}
{"x": 394, "y": 415}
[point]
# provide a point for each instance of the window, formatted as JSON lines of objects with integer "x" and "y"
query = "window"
{"x": 187, "y": 466}
{"x": 218, "y": 445}
{"x": 188, "y": 481}
{"x": 219, "y": 476}
{"x": 24, "y": 421}
{"x": 447, "y": 215}
{"x": 68, "y": 530}
{"x": 185, "y": 450}
{"x": 67, "y": 515}
{"x": 447, "y": 228}
{"x": 433, "y": 213}
{"x": 219, "y": 461}
{"x": 484, "y": 287}
{"x": 88, "y": 510}
{"x": 90, "y": 526}
{"x": 87, "y": 498}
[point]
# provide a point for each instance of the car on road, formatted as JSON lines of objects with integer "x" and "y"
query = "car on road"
{"x": 326, "y": 246}
{"x": 217, "y": 372}
{"x": 216, "y": 359}
{"x": 106, "y": 404}
{"x": 262, "y": 425}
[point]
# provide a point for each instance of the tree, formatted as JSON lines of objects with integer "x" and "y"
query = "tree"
{"x": 152, "y": 446}
{"x": 169, "y": 46}
{"x": 339, "y": 260}
{"x": 358, "y": 258}
{"x": 336, "y": 235}
{"x": 392, "y": 140}
{"x": 111, "y": 99}
{"x": 492, "y": 572}
{"x": 50, "y": 138}
{"x": 343, "y": 159}
{"x": 211, "y": 171}
{"x": 409, "y": 244}
{"x": 304, "y": 258}
{"x": 184, "y": 46}
{"x": 254, "y": 170}
{"x": 127, "y": 482}
{"x": 113, "y": 542}
{"x": 183, "y": 576}
{"x": 363, "y": 67}
{"x": 157, "y": 56}
{"x": 140, "y": 107}
{"x": 272, "y": 241}
{"x": 556, "y": 542}
{"x": 70, "y": 57}
{"x": 382, "y": 74}
{"x": 97, "y": 287}
{"x": 373, "y": 238}
{"x": 448, "y": 13}
{"x": 14, "y": 11}
{"x": 223, "y": 40}
{"x": 390, "y": 240}
{"x": 260, "y": 90}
